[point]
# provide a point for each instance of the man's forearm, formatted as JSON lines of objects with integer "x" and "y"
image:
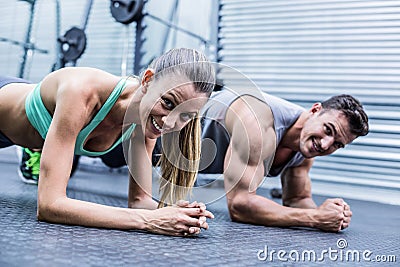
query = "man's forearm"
{"x": 260, "y": 210}
{"x": 302, "y": 203}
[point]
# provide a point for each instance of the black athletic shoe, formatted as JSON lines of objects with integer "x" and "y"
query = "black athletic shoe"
{"x": 29, "y": 166}
{"x": 276, "y": 193}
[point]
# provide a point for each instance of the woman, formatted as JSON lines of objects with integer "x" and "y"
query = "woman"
{"x": 82, "y": 111}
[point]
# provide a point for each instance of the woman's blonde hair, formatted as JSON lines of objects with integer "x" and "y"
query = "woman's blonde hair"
{"x": 181, "y": 151}
{"x": 179, "y": 167}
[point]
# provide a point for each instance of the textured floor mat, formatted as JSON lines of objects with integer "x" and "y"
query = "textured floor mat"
{"x": 26, "y": 242}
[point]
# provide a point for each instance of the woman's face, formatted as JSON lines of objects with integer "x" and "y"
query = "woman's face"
{"x": 168, "y": 105}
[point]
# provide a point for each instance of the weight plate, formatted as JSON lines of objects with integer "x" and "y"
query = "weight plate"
{"x": 73, "y": 44}
{"x": 126, "y": 11}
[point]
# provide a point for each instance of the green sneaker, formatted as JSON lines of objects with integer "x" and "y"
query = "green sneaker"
{"x": 29, "y": 166}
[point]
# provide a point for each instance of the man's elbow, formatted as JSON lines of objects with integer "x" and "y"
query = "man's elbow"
{"x": 239, "y": 207}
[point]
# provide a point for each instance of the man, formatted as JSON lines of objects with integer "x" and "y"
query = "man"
{"x": 259, "y": 135}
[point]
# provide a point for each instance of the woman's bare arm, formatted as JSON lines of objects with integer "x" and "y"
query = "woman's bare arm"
{"x": 140, "y": 171}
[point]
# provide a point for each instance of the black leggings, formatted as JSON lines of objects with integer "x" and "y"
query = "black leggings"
{"x": 115, "y": 158}
{"x": 4, "y": 80}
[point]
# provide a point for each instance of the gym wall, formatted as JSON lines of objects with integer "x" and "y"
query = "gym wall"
{"x": 105, "y": 37}
{"x": 308, "y": 50}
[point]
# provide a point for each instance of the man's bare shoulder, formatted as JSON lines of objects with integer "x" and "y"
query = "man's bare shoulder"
{"x": 251, "y": 112}
{"x": 252, "y": 129}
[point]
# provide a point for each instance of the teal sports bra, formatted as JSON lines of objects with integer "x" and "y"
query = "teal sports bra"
{"x": 41, "y": 119}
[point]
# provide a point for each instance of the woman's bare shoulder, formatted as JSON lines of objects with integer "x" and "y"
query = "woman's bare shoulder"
{"x": 81, "y": 80}
{"x": 82, "y": 75}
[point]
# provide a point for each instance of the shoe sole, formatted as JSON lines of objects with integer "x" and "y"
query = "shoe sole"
{"x": 19, "y": 149}
{"x": 27, "y": 181}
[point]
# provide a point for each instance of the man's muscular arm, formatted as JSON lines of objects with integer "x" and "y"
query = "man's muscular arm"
{"x": 296, "y": 186}
{"x": 296, "y": 193}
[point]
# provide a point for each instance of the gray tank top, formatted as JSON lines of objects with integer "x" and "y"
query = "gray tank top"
{"x": 285, "y": 115}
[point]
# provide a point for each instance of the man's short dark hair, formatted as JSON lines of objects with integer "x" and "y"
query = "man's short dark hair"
{"x": 352, "y": 109}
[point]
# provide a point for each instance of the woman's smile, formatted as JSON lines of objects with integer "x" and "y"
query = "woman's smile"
{"x": 156, "y": 125}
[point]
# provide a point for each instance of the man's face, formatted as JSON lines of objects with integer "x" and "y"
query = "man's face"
{"x": 324, "y": 132}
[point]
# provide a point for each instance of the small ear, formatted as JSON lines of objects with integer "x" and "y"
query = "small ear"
{"x": 147, "y": 76}
{"x": 316, "y": 108}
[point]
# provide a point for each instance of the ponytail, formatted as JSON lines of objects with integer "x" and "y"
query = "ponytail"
{"x": 179, "y": 167}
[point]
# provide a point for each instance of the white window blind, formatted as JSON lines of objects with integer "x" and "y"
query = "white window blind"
{"x": 306, "y": 51}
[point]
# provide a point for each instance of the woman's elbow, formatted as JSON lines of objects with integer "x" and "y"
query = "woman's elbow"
{"x": 46, "y": 209}
{"x": 43, "y": 210}
{"x": 40, "y": 215}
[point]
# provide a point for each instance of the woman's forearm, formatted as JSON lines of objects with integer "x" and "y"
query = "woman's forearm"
{"x": 76, "y": 212}
{"x": 175, "y": 221}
